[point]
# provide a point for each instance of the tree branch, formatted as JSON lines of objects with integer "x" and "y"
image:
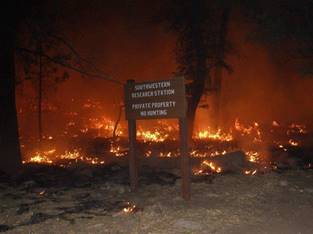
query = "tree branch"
{"x": 69, "y": 66}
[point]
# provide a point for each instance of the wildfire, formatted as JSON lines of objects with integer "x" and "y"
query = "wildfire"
{"x": 218, "y": 135}
{"x": 148, "y": 153}
{"x": 208, "y": 142}
{"x": 207, "y": 167}
{"x": 253, "y": 156}
{"x": 167, "y": 154}
{"x": 70, "y": 155}
{"x": 116, "y": 150}
{"x": 51, "y": 157}
{"x": 296, "y": 128}
{"x": 129, "y": 208}
{"x": 250, "y": 172}
{"x": 103, "y": 125}
{"x": 252, "y": 130}
{"x": 155, "y": 136}
{"x": 275, "y": 123}
{"x": 164, "y": 131}
{"x": 39, "y": 158}
{"x": 293, "y": 142}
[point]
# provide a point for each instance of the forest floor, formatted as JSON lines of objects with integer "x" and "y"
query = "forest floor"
{"x": 47, "y": 200}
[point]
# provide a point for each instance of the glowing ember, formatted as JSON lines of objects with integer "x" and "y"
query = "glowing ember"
{"x": 253, "y": 156}
{"x": 250, "y": 172}
{"x": 208, "y": 142}
{"x": 117, "y": 151}
{"x": 253, "y": 131}
{"x": 275, "y": 124}
{"x": 103, "y": 125}
{"x": 293, "y": 142}
{"x": 39, "y": 158}
{"x": 210, "y": 165}
{"x": 148, "y": 154}
{"x": 70, "y": 155}
{"x": 167, "y": 154}
{"x": 296, "y": 128}
{"x": 51, "y": 157}
{"x": 217, "y": 153}
{"x": 42, "y": 192}
{"x": 129, "y": 208}
{"x": 156, "y": 136}
{"x": 218, "y": 135}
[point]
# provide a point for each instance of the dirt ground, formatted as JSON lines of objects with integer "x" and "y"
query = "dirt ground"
{"x": 95, "y": 203}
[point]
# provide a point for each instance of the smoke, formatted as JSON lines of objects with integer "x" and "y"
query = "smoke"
{"x": 262, "y": 88}
{"x": 126, "y": 44}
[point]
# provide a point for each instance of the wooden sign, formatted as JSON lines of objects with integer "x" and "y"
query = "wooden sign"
{"x": 157, "y": 100}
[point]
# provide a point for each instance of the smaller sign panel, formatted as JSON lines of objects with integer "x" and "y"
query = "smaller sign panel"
{"x": 156, "y": 100}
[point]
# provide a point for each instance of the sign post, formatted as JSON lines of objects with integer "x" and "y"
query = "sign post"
{"x": 157, "y": 100}
{"x": 133, "y": 170}
{"x": 185, "y": 162}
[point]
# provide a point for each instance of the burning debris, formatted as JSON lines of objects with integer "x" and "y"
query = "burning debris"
{"x": 207, "y": 168}
{"x": 129, "y": 208}
{"x": 160, "y": 141}
{"x": 68, "y": 157}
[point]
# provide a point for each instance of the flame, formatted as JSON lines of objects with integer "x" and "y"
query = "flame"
{"x": 156, "y": 136}
{"x": 129, "y": 208}
{"x": 167, "y": 154}
{"x": 252, "y": 130}
{"x": 253, "y": 156}
{"x": 293, "y": 142}
{"x": 250, "y": 172}
{"x": 275, "y": 123}
{"x": 205, "y": 165}
{"x": 296, "y": 128}
{"x": 39, "y": 158}
{"x": 70, "y": 155}
{"x": 50, "y": 157}
{"x": 148, "y": 153}
{"x": 218, "y": 135}
{"x": 99, "y": 125}
{"x": 116, "y": 150}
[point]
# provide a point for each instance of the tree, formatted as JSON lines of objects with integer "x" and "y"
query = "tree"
{"x": 284, "y": 26}
{"x": 27, "y": 32}
{"x": 13, "y": 13}
{"x": 221, "y": 50}
{"x": 10, "y": 156}
{"x": 200, "y": 45}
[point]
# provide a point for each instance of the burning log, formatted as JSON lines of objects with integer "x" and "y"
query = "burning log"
{"x": 232, "y": 162}
{"x": 229, "y": 162}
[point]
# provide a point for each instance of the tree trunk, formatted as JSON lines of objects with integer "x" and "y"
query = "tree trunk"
{"x": 218, "y": 71}
{"x": 40, "y": 96}
{"x": 199, "y": 75}
{"x": 10, "y": 156}
{"x": 195, "y": 91}
{"x": 216, "y": 98}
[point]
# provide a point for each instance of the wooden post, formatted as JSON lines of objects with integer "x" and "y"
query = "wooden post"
{"x": 133, "y": 170}
{"x": 185, "y": 162}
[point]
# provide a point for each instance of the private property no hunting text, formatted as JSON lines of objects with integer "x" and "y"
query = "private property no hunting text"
{"x": 151, "y": 105}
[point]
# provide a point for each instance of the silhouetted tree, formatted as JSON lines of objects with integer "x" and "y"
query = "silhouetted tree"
{"x": 201, "y": 40}
{"x": 286, "y": 28}
{"x": 221, "y": 51}
{"x": 28, "y": 32}
{"x": 10, "y": 157}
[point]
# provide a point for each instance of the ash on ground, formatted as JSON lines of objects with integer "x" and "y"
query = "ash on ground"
{"x": 85, "y": 199}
